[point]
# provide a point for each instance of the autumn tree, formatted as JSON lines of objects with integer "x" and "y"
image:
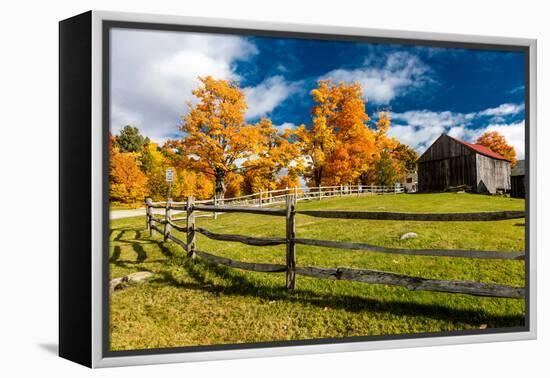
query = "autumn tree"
{"x": 404, "y": 160}
{"x": 187, "y": 181}
{"x": 290, "y": 180}
{"x": 497, "y": 143}
{"x": 383, "y": 140}
{"x": 234, "y": 183}
{"x": 128, "y": 184}
{"x": 275, "y": 153}
{"x": 387, "y": 150}
{"x": 385, "y": 173}
{"x": 318, "y": 141}
{"x": 355, "y": 142}
{"x": 407, "y": 156}
{"x": 130, "y": 139}
{"x": 338, "y": 144}
{"x": 216, "y": 130}
{"x": 154, "y": 164}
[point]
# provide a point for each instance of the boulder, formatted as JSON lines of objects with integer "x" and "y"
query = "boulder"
{"x": 408, "y": 235}
{"x": 119, "y": 283}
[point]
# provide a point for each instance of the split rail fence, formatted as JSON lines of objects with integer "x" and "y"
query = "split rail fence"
{"x": 289, "y": 212}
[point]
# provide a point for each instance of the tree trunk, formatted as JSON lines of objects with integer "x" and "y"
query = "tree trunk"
{"x": 318, "y": 175}
{"x": 220, "y": 185}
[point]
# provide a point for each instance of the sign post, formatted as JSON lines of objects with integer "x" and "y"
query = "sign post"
{"x": 169, "y": 180}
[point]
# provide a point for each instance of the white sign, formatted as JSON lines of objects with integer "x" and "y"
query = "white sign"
{"x": 169, "y": 175}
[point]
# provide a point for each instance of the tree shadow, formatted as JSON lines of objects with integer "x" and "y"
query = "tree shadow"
{"x": 240, "y": 285}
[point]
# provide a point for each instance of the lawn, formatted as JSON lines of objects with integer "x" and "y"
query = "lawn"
{"x": 196, "y": 303}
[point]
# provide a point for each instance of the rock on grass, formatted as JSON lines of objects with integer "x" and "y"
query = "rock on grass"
{"x": 408, "y": 235}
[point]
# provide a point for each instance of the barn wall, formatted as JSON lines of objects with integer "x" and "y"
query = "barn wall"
{"x": 492, "y": 174}
{"x": 446, "y": 163}
{"x": 443, "y": 148}
{"x": 438, "y": 175}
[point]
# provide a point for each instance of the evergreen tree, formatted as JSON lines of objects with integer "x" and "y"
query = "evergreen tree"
{"x": 130, "y": 139}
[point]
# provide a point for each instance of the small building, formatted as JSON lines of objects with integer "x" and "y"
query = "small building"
{"x": 410, "y": 182}
{"x": 518, "y": 180}
{"x": 452, "y": 163}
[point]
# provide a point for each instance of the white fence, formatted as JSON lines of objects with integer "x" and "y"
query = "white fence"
{"x": 272, "y": 197}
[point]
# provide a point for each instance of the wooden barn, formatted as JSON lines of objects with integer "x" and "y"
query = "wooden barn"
{"x": 518, "y": 180}
{"x": 450, "y": 162}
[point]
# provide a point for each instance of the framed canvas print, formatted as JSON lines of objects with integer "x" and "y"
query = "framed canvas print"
{"x": 235, "y": 189}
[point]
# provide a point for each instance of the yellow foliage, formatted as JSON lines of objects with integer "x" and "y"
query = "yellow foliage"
{"x": 234, "y": 183}
{"x": 339, "y": 145}
{"x": 276, "y": 152}
{"x": 127, "y": 181}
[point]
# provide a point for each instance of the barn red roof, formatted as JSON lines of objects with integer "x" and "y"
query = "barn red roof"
{"x": 481, "y": 149}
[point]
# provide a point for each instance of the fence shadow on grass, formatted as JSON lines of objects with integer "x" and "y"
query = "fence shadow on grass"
{"x": 137, "y": 243}
{"x": 240, "y": 285}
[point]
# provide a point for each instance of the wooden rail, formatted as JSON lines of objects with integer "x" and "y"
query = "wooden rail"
{"x": 424, "y": 217}
{"x": 360, "y": 275}
{"x": 236, "y": 209}
{"x": 414, "y": 252}
{"x": 250, "y": 240}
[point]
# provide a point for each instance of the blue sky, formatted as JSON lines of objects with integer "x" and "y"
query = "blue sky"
{"x": 427, "y": 90}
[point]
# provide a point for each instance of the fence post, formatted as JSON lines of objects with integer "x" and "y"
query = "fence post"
{"x": 261, "y": 197}
{"x": 148, "y": 214}
{"x": 295, "y": 194}
{"x": 215, "y": 204}
{"x": 319, "y": 188}
{"x": 167, "y": 218}
{"x": 190, "y": 228}
{"x": 341, "y": 190}
{"x": 290, "y": 245}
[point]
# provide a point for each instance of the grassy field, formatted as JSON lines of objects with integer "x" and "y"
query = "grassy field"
{"x": 197, "y": 303}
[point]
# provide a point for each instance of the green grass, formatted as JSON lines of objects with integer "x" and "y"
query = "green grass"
{"x": 197, "y": 303}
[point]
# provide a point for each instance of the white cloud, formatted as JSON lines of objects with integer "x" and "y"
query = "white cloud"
{"x": 285, "y": 126}
{"x": 420, "y": 128}
{"x": 121, "y": 117}
{"x": 401, "y": 73}
{"x": 519, "y": 88}
{"x": 154, "y": 72}
{"x": 514, "y": 134}
{"x": 267, "y": 95}
{"x": 503, "y": 110}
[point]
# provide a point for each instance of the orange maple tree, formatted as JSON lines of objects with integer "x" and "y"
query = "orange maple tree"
{"x": 339, "y": 145}
{"x": 222, "y": 154}
{"x": 275, "y": 153}
{"x": 497, "y": 143}
{"x": 217, "y": 134}
{"x": 128, "y": 184}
